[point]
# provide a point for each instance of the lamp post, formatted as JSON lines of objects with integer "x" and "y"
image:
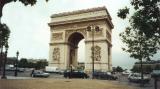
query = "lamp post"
{"x": 1, "y": 49}
{"x": 92, "y": 29}
{"x": 4, "y": 57}
{"x": 16, "y": 64}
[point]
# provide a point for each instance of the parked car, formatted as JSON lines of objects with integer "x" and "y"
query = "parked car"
{"x": 75, "y": 74}
{"x": 39, "y": 73}
{"x": 105, "y": 76}
{"x": 136, "y": 77}
{"x": 125, "y": 73}
{"x": 20, "y": 69}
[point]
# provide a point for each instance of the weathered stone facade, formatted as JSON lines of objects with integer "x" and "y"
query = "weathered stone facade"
{"x": 68, "y": 28}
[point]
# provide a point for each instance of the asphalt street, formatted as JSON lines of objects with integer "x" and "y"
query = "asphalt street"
{"x": 122, "y": 79}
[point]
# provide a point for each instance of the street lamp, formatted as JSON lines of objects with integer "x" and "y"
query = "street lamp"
{"x": 4, "y": 57}
{"x": 93, "y": 29}
{"x": 16, "y": 64}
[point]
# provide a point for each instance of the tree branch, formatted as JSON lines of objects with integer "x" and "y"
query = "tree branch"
{"x": 2, "y": 3}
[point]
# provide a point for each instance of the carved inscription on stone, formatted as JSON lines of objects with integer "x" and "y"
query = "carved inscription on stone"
{"x": 56, "y": 54}
{"x": 57, "y": 36}
{"x": 97, "y": 53}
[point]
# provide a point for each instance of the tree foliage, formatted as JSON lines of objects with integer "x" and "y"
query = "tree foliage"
{"x": 25, "y": 2}
{"x": 136, "y": 69}
{"x": 138, "y": 45}
{"x": 146, "y": 18}
{"x": 119, "y": 69}
{"x": 37, "y": 64}
{"x": 41, "y": 64}
{"x": 4, "y": 35}
{"x": 23, "y": 63}
{"x": 142, "y": 37}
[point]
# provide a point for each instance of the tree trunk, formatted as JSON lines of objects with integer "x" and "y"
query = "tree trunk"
{"x": 142, "y": 82}
{"x": 0, "y": 13}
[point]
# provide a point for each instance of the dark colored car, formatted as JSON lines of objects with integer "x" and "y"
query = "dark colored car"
{"x": 75, "y": 74}
{"x": 39, "y": 73}
{"x": 104, "y": 76}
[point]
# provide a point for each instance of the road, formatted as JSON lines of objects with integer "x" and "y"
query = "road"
{"x": 121, "y": 79}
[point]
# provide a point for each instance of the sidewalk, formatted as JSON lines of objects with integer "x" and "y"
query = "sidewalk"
{"x": 13, "y": 77}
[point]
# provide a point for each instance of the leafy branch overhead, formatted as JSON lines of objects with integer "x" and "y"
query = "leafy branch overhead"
{"x": 138, "y": 45}
{"x": 25, "y": 2}
{"x": 146, "y": 17}
{"x": 142, "y": 36}
{"x": 123, "y": 13}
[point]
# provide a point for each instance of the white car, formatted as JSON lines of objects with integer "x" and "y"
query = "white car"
{"x": 136, "y": 77}
{"x": 125, "y": 73}
{"x": 39, "y": 73}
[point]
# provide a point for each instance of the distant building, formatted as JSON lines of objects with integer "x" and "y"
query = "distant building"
{"x": 152, "y": 63}
{"x": 11, "y": 60}
{"x": 148, "y": 66}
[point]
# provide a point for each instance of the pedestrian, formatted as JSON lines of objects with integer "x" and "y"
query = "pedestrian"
{"x": 32, "y": 72}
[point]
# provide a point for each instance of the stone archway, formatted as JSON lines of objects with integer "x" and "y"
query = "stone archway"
{"x": 68, "y": 28}
{"x": 73, "y": 41}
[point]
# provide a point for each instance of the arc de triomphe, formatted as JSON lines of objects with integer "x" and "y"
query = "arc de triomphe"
{"x": 68, "y": 28}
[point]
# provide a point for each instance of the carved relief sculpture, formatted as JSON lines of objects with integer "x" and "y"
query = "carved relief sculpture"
{"x": 57, "y": 36}
{"x": 97, "y": 34}
{"x": 108, "y": 35}
{"x": 69, "y": 32}
{"x": 56, "y": 54}
{"x": 97, "y": 53}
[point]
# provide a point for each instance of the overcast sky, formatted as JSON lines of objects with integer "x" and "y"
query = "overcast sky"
{"x": 30, "y": 32}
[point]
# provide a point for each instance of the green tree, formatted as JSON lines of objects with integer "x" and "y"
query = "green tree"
{"x": 136, "y": 69}
{"x": 41, "y": 64}
{"x": 4, "y": 36}
{"x": 147, "y": 18}
{"x": 31, "y": 65}
{"x": 138, "y": 45}
{"x": 119, "y": 69}
{"x": 23, "y": 63}
{"x": 142, "y": 37}
{"x": 25, "y": 2}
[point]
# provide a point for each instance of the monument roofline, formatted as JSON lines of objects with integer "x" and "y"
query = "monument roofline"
{"x": 98, "y": 13}
{"x": 81, "y": 11}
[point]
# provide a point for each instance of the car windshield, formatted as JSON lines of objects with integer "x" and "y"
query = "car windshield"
{"x": 39, "y": 72}
{"x": 137, "y": 75}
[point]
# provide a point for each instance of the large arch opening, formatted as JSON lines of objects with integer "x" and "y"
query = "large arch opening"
{"x": 76, "y": 40}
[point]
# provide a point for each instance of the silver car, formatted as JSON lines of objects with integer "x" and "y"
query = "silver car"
{"x": 39, "y": 73}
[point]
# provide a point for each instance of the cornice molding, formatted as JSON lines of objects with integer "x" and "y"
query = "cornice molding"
{"x": 81, "y": 11}
{"x": 102, "y": 40}
{"x": 83, "y": 20}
